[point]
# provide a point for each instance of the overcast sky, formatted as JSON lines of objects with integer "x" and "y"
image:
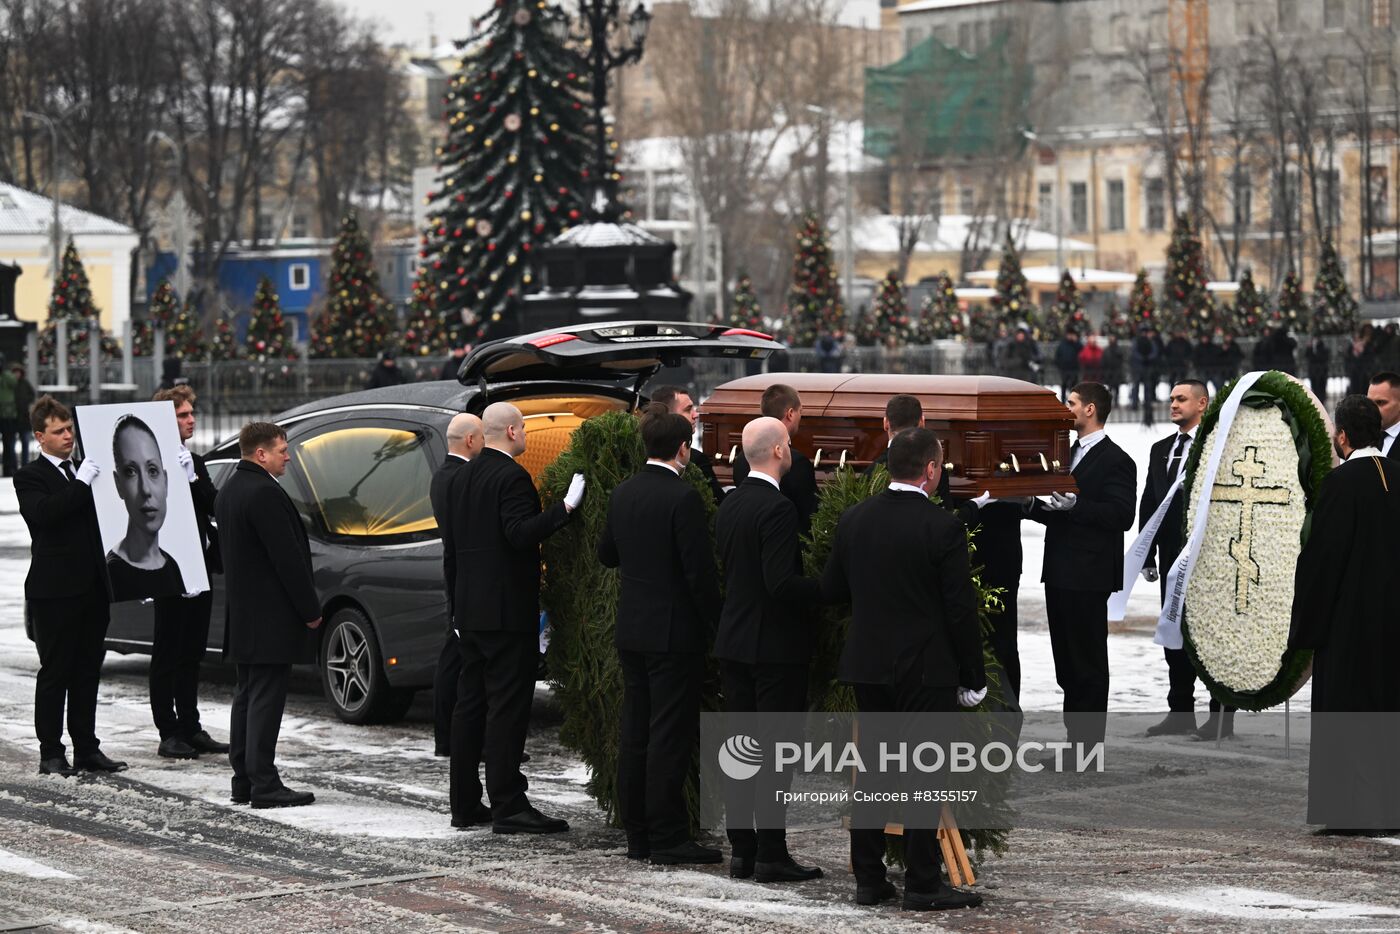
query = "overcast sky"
{"x": 406, "y": 21}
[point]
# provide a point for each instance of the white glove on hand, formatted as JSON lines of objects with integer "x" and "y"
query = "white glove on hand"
{"x": 1149, "y": 574}
{"x": 186, "y": 460}
{"x": 984, "y": 499}
{"x": 1062, "y": 502}
{"x": 575, "y": 494}
{"x": 970, "y": 698}
{"x": 88, "y": 471}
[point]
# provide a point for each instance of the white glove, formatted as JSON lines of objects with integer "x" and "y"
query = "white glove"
{"x": 970, "y": 698}
{"x": 186, "y": 460}
{"x": 88, "y": 471}
{"x": 1062, "y": 502}
{"x": 575, "y": 494}
{"x": 984, "y": 499}
{"x": 1149, "y": 574}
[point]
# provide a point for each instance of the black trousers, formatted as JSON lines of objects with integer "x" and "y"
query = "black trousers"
{"x": 256, "y": 720}
{"x": 1003, "y": 638}
{"x": 468, "y": 732}
{"x": 660, "y": 730}
{"x": 763, "y": 689}
{"x": 1079, "y": 643}
{"x": 177, "y": 648}
{"x": 449, "y": 666}
{"x": 69, "y": 634}
{"x": 508, "y": 662}
{"x": 10, "y": 430}
{"x": 921, "y": 855}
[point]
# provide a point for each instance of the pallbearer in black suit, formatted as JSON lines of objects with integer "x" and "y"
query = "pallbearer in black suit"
{"x": 1384, "y": 391}
{"x": 679, "y": 402}
{"x": 494, "y": 531}
{"x": 764, "y": 643}
{"x": 271, "y": 610}
{"x": 1084, "y": 559}
{"x": 182, "y": 623}
{"x": 782, "y": 402}
{"x": 658, "y": 536}
{"x": 914, "y": 645}
{"x": 464, "y": 441}
{"x": 66, "y": 591}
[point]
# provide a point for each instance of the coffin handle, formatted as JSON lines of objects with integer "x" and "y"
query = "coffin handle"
{"x": 732, "y": 451}
{"x": 817, "y": 461}
{"x": 1015, "y": 464}
{"x": 1043, "y": 465}
{"x": 843, "y": 460}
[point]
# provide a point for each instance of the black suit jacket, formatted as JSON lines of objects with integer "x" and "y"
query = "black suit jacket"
{"x": 766, "y": 599}
{"x": 442, "y": 514}
{"x": 701, "y": 460}
{"x": 66, "y": 557}
{"x": 1084, "y": 545}
{"x": 658, "y": 537}
{"x": 203, "y": 491}
{"x": 799, "y": 485}
{"x": 1168, "y": 542}
{"x": 903, "y": 564}
{"x": 267, "y": 569}
{"x": 1394, "y": 452}
{"x": 494, "y": 533}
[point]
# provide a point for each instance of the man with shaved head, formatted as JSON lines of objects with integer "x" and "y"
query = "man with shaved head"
{"x": 464, "y": 441}
{"x": 764, "y": 642}
{"x": 493, "y": 530}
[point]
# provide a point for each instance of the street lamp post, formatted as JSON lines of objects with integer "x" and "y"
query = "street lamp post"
{"x": 55, "y": 229}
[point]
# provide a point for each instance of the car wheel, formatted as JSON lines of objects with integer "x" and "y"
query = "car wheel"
{"x": 352, "y": 670}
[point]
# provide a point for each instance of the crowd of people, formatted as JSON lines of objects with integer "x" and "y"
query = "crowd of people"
{"x": 900, "y": 561}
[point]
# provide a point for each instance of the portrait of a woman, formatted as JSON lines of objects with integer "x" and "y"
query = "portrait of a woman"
{"x": 137, "y": 566}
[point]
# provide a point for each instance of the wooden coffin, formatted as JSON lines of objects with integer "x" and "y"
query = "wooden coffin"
{"x": 1004, "y": 435}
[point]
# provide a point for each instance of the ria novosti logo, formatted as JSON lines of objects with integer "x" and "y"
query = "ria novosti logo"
{"x": 740, "y": 757}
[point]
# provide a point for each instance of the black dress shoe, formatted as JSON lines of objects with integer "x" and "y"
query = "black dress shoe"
{"x": 203, "y": 742}
{"x": 944, "y": 899}
{"x": 175, "y": 748}
{"x": 476, "y": 816}
{"x": 1176, "y": 723}
{"x": 241, "y": 797}
{"x": 785, "y": 870}
{"x": 874, "y": 894}
{"x": 638, "y": 846}
{"x": 686, "y": 854}
{"x": 1214, "y": 726}
{"x": 98, "y": 762}
{"x": 283, "y": 798}
{"x": 529, "y": 821}
{"x": 58, "y": 765}
{"x": 441, "y": 753}
{"x": 741, "y": 867}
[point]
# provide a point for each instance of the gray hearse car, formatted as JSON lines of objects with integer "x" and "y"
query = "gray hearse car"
{"x": 359, "y": 475}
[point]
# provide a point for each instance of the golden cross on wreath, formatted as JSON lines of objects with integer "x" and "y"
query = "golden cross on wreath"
{"x": 1248, "y": 494}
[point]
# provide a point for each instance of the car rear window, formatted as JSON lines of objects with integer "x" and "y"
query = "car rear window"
{"x": 369, "y": 481}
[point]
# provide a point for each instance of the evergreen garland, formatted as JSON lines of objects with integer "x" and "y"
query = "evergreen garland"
{"x": 1187, "y": 304}
{"x": 1292, "y": 309}
{"x": 1251, "y": 318}
{"x": 814, "y": 299}
{"x": 357, "y": 320}
{"x": 267, "y": 337}
{"x": 942, "y": 318}
{"x": 1334, "y": 310}
{"x": 1012, "y": 302}
{"x": 515, "y": 169}
{"x": 744, "y": 309}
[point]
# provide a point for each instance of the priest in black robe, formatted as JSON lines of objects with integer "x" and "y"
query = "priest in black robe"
{"x": 1342, "y": 612}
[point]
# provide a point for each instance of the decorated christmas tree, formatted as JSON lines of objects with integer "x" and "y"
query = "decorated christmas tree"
{"x": 1186, "y": 302}
{"x": 515, "y": 169}
{"x": 1067, "y": 312}
{"x": 1251, "y": 318}
{"x": 744, "y": 310}
{"x": 178, "y": 323}
{"x": 223, "y": 345}
{"x": 161, "y": 311}
{"x": 1118, "y": 323}
{"x": 866, "y": 334}
{"x": 267, "y": 337}
{"x": 1334, "y": 310}
{"x": 942, "y": 318}
{"x": 357, "y": 320}
{"x": 814, "y": 299}
{"x": 424, "y": 332}
{"x": 71, "y": 300}
{"x": 981, "y": 322}
{"x": 1012, "y": 301}
{"x": 893, "y": 324}
{"x": 1292, "y": 310}
{"x": 1142, "y": 303}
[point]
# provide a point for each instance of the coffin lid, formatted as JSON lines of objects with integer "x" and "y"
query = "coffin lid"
{"x": 863, "y": 395}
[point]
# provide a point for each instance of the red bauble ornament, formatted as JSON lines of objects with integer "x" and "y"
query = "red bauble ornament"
{"x": 573, "y": 215}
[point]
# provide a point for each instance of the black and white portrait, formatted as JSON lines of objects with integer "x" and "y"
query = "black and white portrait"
{"x": 149, "y": 531}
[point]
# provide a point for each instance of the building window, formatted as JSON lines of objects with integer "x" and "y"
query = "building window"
{"x": 1381, "y": 75}
{"x": 1045, "y": 204}
{"x": 1287, "y": 15}
{"x": 646, "y": 107}
{"x": 301, "y": 227}
{"x": 1287, "y": 202}
{"x": 1079, "y": 206}
{"x": 1381, "y": 14}
{"x": 967, "y": 200}
{"x": 912, "y": 37}
{"x": 965, "y": 37}
{"x": 1156, "y": 195}
{"x": 1116, "y": 220}
{"x": 299, "y": 275}
{"x": 1334, "y": 14}
{"x": 1332, "y": 198}
{"x": 1243, "y": 198}
{"x": 1380, "y": 196}
{"x": 262, "y": 230}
